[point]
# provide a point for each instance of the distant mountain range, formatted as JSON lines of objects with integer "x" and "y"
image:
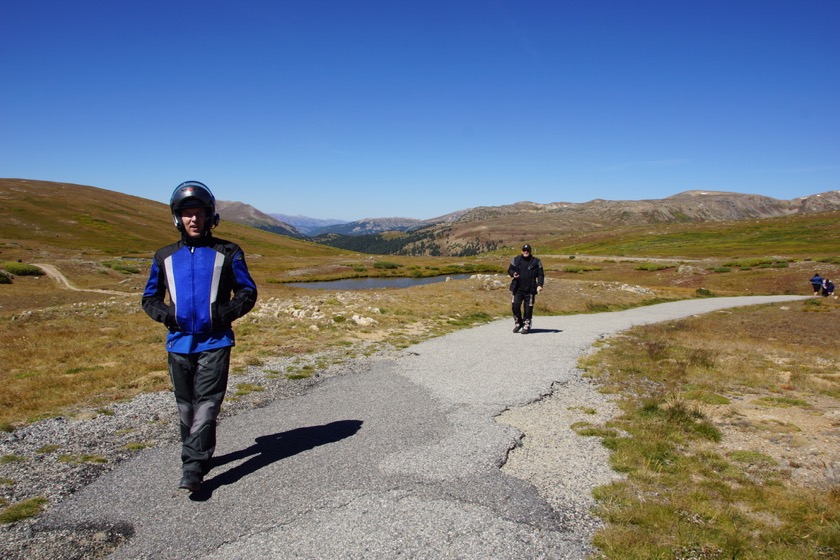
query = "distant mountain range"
{"x": 485, "y": 228}
{"x": 305, "y": 225}
{"x": 59, "y": 212}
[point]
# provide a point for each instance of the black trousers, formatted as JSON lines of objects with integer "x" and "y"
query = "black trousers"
{"x": 523, "y": 308}
{"x": 200, "y": 382}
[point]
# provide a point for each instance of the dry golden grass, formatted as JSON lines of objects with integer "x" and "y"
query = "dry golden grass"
{"x": 66, "y": 348}
{"x": 70, "y": 348}
{"x": 731, "y": 445}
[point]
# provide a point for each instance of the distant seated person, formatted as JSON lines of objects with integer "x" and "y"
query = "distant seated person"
{"x": 827, "y": 288}
{"x": 816, "y": 284}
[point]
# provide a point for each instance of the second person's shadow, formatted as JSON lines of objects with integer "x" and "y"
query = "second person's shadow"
{"x": 272, "y": 448}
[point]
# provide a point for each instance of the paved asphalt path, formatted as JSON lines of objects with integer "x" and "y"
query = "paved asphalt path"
{"x": 400, "y": 459}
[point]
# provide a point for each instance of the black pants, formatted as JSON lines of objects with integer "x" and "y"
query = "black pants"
{"x": 519, "y": 301}
{"x": 200, "y": 382}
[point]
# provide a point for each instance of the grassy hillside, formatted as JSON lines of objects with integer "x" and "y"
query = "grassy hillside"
{"x": 802, "y": 236}
{"x": 39, "y": 218}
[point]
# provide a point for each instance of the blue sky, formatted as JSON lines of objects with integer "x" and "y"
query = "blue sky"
{"x": 352, "y": 109}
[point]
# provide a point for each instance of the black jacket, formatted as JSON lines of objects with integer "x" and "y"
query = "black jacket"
{"x": 530, "y": 274}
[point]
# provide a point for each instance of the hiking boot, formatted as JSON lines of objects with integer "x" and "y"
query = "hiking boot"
{"x": 525, "y": 330}
{"x": 190, "y": 481}
{"x": 517, "y": 327}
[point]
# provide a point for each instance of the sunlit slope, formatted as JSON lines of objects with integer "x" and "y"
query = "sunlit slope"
{"x": 40, "y": 218}
{"x": 803, "y": 235}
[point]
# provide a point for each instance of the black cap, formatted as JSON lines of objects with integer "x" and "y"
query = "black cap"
{"x": 526, "y": 247}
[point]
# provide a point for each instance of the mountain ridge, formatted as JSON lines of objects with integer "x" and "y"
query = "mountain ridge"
{"x": 34, "y": 209}
{"x": 305, "y": 224}
{"x": 246, "y": 214}
{"x": 486, "y": 228}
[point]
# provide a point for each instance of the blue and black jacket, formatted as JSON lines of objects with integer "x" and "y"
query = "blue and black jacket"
{"x": 209, "y": 287}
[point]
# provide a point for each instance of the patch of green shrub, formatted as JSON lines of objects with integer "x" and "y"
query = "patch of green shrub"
{"x": 21, "y": 269}
{"x": 580, "y": 269}
{"x": 22, "y": 510}
{"x": 243, "y": 389}
{"x": 121, "y": 267}
{"x": 753, "y": 457}
{"x": 586, "y": 429}
{"x": 386, "y": 265}
{"x": 653, "y": 267}
{"x": 84, "y": 458}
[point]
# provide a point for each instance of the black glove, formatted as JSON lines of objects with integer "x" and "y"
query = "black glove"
{"x": 216, "y": 318}
{"x": 171, "y": 323}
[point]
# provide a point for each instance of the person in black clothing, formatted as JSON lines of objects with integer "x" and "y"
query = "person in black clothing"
{"x": 828, "y": 288}
{"x": 528, "y": 278}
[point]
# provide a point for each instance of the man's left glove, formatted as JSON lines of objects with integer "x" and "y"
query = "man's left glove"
{"x": 216, "y": 318}
{"x": 171, "y": 323}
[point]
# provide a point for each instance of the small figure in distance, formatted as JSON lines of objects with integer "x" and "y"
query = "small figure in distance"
{"x": 828, "y": 288}
{"x": 816, "y": 283}
{"x": 209, "y": 287}
{"x": 528, "y": 278}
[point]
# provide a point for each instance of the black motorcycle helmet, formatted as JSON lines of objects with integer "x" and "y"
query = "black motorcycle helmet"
{"x": 192, "y": 194}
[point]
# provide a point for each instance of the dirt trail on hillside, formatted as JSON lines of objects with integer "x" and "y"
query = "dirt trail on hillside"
{"x": 55, "y": 274}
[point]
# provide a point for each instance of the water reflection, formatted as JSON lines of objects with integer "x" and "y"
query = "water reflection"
{"x": 371, "y": 283}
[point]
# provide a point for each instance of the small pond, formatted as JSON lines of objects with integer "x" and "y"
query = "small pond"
{"x": 371, "y": 283}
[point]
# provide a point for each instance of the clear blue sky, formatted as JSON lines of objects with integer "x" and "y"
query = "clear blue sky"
{"x": 352, "y": 109}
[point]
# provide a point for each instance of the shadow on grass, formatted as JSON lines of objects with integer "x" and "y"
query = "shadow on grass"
{"x": 272, "y": 448}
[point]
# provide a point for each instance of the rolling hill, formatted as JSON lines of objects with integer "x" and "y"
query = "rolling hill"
{"x": 42, "y": 219}
{"x": 246, "y": 214}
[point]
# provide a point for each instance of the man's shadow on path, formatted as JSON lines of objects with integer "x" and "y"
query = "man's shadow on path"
{"x": 540, "y": 331}
{"x": 269, "y": 449}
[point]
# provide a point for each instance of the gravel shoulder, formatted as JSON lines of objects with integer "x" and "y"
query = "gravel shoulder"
{"x": 415, "y": 452}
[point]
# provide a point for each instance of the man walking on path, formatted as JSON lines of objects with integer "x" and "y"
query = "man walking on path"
{"x": 528, "y": 278}
{"x": 200, "y": 272}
